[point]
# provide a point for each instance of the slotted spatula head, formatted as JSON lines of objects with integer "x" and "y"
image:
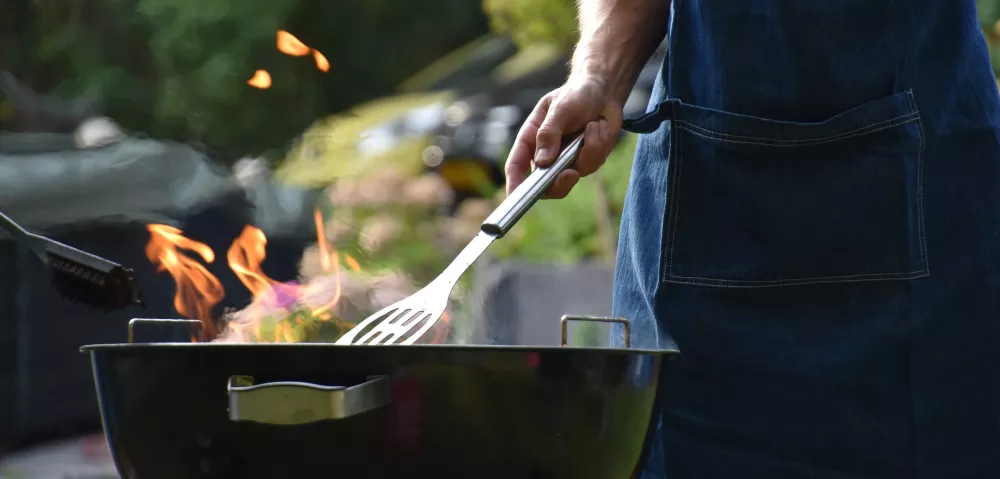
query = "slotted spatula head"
{"x": 391, "y": 325}
{"x": 422, "y": 309}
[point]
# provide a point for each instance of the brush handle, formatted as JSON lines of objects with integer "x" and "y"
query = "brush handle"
{"x": 20, "y": 234}
{"x": 37, "y": 244}
{"x": 530, "y": 191}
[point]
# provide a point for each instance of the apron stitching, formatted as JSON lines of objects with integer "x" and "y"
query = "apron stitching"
{"x": 728, "y": 138}
{"x": 818, "y": 279}
{"x": 675, "y": 196}
{"x": 920, "y": 180}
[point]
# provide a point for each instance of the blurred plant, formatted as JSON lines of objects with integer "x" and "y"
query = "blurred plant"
{"x": 177, "y": 69}
{"x": 389, "y": 220}
{"x": 989, "y": 18}
{"x": 568, "y": 230}
{"x": 530, "y": 22}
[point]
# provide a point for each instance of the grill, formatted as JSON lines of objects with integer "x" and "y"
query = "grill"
{"x": 176, "y": 409}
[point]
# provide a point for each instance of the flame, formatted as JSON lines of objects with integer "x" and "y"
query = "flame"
{"x": 441, "y": 329}
{"x": 329, "y": 260}
{"x": 290, "y": 45}
{"x": 261, "y": 79}
{"x": 352, "y": 264}
{"x": 245, "y": 256}
{"x": 321, "y": 62}
{"x": 198, "y": 291}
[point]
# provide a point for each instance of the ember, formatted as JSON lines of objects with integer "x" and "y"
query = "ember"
{"x": 292, "y": 46}
{"x": 320, "y": 307}
{"x": 261, "y": 79}
{"x": 321, "y": 62}
{"x": 289, "y": 45}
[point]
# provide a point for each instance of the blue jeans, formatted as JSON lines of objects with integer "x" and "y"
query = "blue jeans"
{"x": 813, "y": 220}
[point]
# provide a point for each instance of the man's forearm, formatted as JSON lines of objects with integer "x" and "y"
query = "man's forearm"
{"x": 617, "y": 37}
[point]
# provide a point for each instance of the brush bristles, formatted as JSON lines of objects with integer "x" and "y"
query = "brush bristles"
{"x": 91, "y": 280}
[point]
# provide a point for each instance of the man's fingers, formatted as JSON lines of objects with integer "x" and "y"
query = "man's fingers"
{"x": 560, "y": 113}
{"x": 559, "y": 121}
{"x": 523, "y": 151}
{"x": 596, "y": 145}
{"x": 563, "y": 184}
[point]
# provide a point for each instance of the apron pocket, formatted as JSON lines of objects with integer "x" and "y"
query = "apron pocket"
{"x": 756, "y": 202}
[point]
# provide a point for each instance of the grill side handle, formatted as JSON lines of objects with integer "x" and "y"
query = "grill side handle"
{"x": 290, "y": 403}
{"x": 564, "y": 321}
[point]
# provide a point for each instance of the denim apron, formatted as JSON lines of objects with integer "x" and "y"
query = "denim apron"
{"x": 813, "y": 220}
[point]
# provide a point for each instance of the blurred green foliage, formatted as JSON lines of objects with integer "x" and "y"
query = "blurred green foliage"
{"x": 989, "y": 18}
{"x": 177, "y": 69}
{"x": 567, "y": 230}
{"x": 531, "y": 22}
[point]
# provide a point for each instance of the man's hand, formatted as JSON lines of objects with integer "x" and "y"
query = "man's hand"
{"x": 576, "y": 106}
{"x": 617, "y": 37}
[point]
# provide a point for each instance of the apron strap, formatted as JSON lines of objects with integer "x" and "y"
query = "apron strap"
{"x": 650, "y": 121}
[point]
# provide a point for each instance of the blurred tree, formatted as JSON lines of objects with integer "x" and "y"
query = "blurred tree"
{"x": 535, "y": 21}
{"x": 177, "y": 69}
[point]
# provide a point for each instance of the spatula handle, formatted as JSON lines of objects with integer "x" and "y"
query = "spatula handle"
{"x": 530, "y": 191}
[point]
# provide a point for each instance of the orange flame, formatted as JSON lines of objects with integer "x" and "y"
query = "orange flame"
{"x": 352, "y": 263}
{"x": 198, "y": 291}
{"x": 245, "y": 256}
{"x": 261, "y": 79}
{"x": 441, "y": 329}
{"x": 290, "y": 45}
{"x": 321, "y": 62}
{"x": 329, "y": 260}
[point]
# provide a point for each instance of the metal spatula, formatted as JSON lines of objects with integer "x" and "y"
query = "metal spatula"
{"x": 425, "y": 307}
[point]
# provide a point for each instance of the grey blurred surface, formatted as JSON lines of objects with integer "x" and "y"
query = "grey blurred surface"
{"x": 521, "y": 303}
{"x": 44, "y": 184}
{"x": 86, "y": 457}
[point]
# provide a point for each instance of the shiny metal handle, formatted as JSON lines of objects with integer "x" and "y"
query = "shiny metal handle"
{"x": 526, "y": 194}
{"x": 146, "y": 325}
{"x": 292, "y": 403}
{"x": 600, "y": 319}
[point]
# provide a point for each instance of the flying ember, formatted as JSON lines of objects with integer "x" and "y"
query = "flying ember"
{"x": 261, "y": 79}
{"x": 289, "y": 45}
{"x": 321, "y": 62}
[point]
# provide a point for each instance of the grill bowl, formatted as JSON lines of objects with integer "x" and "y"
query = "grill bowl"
{"x": 177, "y": 410}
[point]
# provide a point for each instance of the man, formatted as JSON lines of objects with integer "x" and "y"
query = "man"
{"x": 813, "y": 220}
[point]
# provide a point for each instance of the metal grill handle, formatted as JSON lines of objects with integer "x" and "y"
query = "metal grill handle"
{"x": 599, "y": 319}
{"x": 289, "y": 403}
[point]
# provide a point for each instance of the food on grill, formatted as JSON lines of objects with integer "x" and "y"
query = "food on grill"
{"x": 318, "y": 310}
